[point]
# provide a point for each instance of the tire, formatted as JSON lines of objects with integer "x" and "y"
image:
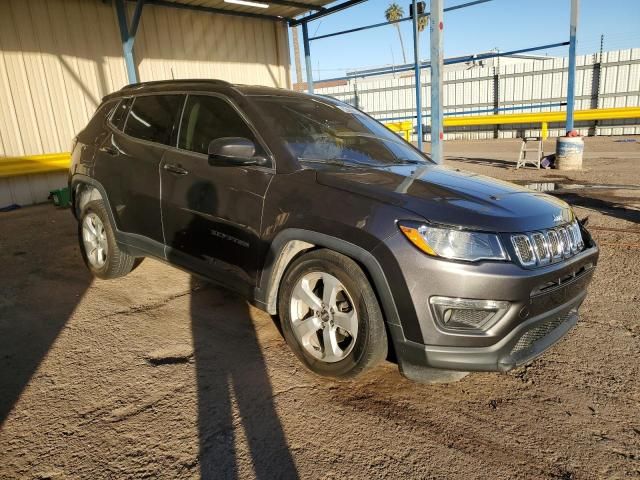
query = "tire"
{"x": 321, "y": 328}
{"x": 102, "y": 256}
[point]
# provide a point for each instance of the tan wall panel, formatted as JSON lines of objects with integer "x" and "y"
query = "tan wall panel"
{"x": 175, "y": 43}
{"x": 58, "y": 58}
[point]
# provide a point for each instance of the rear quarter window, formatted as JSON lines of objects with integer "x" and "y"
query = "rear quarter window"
{"x": 96, "y": 125}
{"x": 119, "y": 116}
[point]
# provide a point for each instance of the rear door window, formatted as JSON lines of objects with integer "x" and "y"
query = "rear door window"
{"x": 207, "y": 118}
{"x": 154, "y": 118}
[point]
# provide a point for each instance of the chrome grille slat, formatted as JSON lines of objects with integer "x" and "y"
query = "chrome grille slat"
{"x": 548, "y": 246}
{"x": 524, "y": 249}
{"x": 541, "y": 248}
{"x": 554, "y": 242}
{"x": 566, "y": 244}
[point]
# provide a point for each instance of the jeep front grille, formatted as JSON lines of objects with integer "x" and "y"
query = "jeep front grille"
{"x": 548, "y": 246}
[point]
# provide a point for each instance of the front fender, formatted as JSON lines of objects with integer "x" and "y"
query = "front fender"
{"x": 288, "y": 243}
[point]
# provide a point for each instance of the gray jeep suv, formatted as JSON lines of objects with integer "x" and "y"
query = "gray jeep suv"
{"x": 316, "y": 212}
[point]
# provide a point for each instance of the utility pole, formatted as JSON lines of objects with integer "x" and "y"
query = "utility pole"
{"x": 496, "y": 93}
{"x": 307, "y": 56}
{"x": 416, "y": 60}
{"x": 296, "y": 54}
{"x": 571, "y": 83}
{"x": 437, "y": 64}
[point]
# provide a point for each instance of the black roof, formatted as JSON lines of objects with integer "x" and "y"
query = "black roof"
{"x": 187, "y": 85}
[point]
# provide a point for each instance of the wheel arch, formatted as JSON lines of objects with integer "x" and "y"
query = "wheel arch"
{"x": 86, "y": 189}
{"x": 291, "y": 243}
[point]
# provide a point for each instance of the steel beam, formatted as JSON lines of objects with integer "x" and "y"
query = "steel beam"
{"x": 219, "y": 11}
{"x": 449, "y": 61}
{"x": 437, "y": 62}
{"x": 307, "y": 57}
{"x": 289, "y": 3}
{"x": 571, "y": 81}
{"x": 405, "y": 19}
{"x": 128, "y": 36}
{"x": 325, "y": 12}
{"x": 416, "y": 69}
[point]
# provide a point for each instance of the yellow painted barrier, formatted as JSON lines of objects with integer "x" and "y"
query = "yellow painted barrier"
{"x": 543, "y": 117}
{"x": 405, "y": 127}
{"x": 47, "y": 163}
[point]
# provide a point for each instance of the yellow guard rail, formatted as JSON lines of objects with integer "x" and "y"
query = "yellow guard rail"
{"x": 544, "y": 118}
{"x": 51, "y": 162}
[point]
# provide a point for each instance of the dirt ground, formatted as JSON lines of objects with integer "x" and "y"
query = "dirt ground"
{"x": 159, "y": 375}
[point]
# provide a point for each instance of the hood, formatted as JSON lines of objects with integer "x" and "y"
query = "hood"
{"x": 450, "y": 196}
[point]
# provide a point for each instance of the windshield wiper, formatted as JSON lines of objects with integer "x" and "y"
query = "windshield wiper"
{"x": 340, "y": 162}
{"x": 410, "y": 161}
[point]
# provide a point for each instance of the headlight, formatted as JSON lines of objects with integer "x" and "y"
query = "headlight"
{"x": 454, "y": 244}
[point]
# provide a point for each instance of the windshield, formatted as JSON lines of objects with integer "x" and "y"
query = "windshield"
{"x": 318, "y": 130}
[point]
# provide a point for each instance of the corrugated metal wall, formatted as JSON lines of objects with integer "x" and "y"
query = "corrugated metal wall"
{"x": 58, "y": 58}
{"x": 612, "y": 82}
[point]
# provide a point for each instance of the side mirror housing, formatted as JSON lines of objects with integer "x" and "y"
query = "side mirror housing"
{"x": 233, "y": 151}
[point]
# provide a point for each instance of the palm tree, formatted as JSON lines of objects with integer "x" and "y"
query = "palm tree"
{"x": 394, "y": 13}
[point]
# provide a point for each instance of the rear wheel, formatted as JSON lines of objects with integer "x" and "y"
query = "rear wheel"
{"x": 330, "y": 315}
{"x": 98, "y": 244}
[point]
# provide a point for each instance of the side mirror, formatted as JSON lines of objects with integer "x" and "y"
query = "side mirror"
{"x": 232, "y": 151}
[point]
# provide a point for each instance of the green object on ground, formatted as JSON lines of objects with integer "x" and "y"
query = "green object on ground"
{"x": 60, "y": 197}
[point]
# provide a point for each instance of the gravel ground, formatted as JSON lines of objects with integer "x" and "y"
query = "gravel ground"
{"x": 159, "y": 375}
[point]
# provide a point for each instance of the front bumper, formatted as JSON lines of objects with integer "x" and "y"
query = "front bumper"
{"x": 535, "y": 320}
{"x": 523, "y": 344}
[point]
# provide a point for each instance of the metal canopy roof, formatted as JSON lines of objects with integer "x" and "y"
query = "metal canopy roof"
{"x": 276, "y": 10}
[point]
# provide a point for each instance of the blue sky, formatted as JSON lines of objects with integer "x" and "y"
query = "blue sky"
{"x": 503, "y": 24}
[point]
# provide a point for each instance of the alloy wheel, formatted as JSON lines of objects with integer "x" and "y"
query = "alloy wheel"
{"x": 94, "y": 238}
{"x": 323, "y": 316}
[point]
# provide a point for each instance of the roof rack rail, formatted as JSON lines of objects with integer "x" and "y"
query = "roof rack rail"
{"x": 135, "y": 86}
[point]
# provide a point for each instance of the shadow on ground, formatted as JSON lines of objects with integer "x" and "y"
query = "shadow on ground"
{"x": 611, "y": 208}
{"x": 40, "y": 290}
{"x": 43, "y": 280}
{"x": 232, "y": 377}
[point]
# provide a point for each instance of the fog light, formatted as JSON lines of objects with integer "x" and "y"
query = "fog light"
{"x": 463, "y": 314}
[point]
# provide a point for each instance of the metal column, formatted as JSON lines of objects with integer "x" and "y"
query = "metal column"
{"x": 571, "y": 83}
{"x": 416, "y": 67}
{"x": 307, "y": 57}
{"x": 437, "y": 60}
{"x": 128, "y": 36}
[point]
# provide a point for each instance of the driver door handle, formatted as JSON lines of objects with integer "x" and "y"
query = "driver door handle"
{"x": 176, "y": 169}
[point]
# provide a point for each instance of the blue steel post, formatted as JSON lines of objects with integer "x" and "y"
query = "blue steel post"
{"x": 437, "y": 62}
{"x": 128, "y": 36}
{"x": 416, "y": 67}
{"x": 307, "y": 57}
{"x": 571, "y": 83}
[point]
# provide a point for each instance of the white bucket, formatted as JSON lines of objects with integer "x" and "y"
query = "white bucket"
{"x": 569, "y": 153}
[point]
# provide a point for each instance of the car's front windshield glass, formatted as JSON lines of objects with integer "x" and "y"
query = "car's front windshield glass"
{"x": 318, "y": 130}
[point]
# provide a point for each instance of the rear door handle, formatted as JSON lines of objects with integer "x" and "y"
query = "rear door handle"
{"x": 173, "y": 168}
{"x": 109, "y": 150}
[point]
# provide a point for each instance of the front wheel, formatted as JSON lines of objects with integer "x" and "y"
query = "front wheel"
{"x": 330, "y": 315}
